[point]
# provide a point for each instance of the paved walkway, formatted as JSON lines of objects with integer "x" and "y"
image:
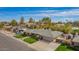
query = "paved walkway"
{"x": 24, "y": 38}
{"x": 52, "y": 46}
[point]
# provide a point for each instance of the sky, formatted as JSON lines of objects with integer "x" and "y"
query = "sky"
{"x": 56, "y": 14}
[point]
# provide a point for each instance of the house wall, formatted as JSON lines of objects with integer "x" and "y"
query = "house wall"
{"x": 75, "y": 43}
{"x": 47, "y": 38}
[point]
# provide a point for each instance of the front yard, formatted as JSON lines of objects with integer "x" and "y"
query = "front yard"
{"x": 64, "y": 47}
{"x": 28, "y": 39}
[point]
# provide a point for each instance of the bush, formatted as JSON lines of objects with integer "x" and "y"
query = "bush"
{"x": 34, "y": 37}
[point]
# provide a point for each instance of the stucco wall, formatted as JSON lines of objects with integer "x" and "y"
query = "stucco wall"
{"x": 76, "y": 43}
{"x": 48, "y": 38}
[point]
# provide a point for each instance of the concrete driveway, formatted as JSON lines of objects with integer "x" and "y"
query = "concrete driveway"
{"x": 45, "y": 46}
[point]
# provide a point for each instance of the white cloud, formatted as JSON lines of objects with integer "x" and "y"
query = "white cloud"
{"x": 67, "y": 13}
{"x": 72, "y": 12}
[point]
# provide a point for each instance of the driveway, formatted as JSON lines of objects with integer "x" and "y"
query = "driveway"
{"x": 45, "y": 46}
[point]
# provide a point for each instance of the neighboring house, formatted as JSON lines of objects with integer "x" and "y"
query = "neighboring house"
{"x": 30, "y": 25}
{"x": 65, "y": 38}
{"x": 8, "y": 28}
{"x": 18, "y": 29}
{"x": 68, "y": 36}
{"x": 6, "y": 23}
{"x": 75, "y": 41}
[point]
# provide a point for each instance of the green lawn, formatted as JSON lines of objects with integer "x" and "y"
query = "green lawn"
{"x": 34, "y": 37}
{"x": 64, "y": 47}
{"x": 30, "y": 40}
{"x": 19, "y": 36}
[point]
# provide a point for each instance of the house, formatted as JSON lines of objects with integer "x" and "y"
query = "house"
{"x": 47, "y": 35}
{"x": 75, "y": 41}
{"x": 6, "y": 23}
{"x": 65, "y": 38}
{"x": 18, "y": 29}
{"x": 7, "y": 27}
{"x": 68, "y": 36}
{"x": 30, "y": 25}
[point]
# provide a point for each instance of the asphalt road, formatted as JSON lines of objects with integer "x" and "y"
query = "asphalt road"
{"x": 10, "y": 44}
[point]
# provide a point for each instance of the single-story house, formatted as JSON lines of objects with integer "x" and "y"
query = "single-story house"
{"x": 75, "y": 41}
{"x": 18, "y": 29}
{"x": 47, "y": 35}
{"x": 68, "y": 36}
{"x": 8, "y": 28}
{"x": 65, "y": 38}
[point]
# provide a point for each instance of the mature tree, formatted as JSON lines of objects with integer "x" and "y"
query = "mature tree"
{"x": 21, "y": 21}
{"x": 13, "y": 22}
{"x": 59, "y": 22}
{"x": 1, "y": 25}
{"x": 31, "y": 20}
{"x": 67, "y": 28}
{"x": 47, "y": 23}
{"x": 46, "y": 19}
{"x": 75, "y": 23}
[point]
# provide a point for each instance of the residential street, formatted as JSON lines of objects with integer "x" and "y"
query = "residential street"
{"x": 10, "y": 44}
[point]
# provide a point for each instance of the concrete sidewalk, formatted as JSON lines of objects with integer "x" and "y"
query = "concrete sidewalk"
{"x": 7, "y": 33}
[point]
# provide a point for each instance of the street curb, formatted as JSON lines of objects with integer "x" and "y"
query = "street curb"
{"x": 29, "y": 45}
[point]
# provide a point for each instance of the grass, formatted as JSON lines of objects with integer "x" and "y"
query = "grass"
{"x": 20, "y": 36}
{"x": 64, "y": 47}
{"x": 34, "y": 37}
{"x": 30, "y": 40}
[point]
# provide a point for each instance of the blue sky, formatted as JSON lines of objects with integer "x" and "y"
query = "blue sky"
{"x": 56, "y": 13}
